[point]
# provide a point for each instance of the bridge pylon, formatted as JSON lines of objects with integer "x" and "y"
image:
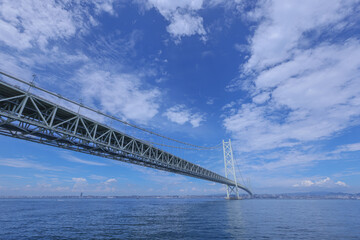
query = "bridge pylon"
{"x": 232, "y": 192}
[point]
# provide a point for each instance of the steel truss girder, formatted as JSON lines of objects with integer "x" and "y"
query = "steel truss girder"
{"x": 27, "y": 116}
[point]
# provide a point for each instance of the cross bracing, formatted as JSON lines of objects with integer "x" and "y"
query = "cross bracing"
{"x": 27, "y": 116}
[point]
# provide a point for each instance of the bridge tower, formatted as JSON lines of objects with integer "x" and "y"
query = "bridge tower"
{"x": 230, "y": 170}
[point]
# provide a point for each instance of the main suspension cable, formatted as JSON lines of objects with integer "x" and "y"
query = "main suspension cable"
{"x": 240, "y": 172}
{"x": 184, "y": 148}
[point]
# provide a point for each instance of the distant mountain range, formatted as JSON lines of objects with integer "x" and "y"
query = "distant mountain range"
{"x": 309, "y": 195}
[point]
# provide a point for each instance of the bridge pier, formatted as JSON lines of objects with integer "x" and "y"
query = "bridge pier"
{"x": 232, "y": 193}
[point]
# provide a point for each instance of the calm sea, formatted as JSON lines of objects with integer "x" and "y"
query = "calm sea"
{"x": 178, "y": 219}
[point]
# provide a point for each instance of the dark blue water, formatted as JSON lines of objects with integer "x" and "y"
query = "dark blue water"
{"x": 178, "y": 219}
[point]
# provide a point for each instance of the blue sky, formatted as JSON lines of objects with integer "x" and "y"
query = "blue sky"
{"x": 280, "y": 78}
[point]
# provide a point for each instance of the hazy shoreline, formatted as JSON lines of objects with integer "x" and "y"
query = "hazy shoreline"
{"x": 307, "y": 195}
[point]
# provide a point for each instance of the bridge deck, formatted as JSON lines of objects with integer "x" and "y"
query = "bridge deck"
{"x": 27, "y": 116}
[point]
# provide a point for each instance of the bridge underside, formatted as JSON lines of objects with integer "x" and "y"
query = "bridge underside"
{"x": 32, "y": 118}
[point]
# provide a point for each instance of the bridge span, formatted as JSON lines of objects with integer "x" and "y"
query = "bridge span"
{"x": 30, "y": 117}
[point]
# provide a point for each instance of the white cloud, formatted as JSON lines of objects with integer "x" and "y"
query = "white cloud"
{"x": 303, "y": 88}
{"x": 161, "y": 80}
{"x": 31, "y": 23}
{"x": 323, "y": 183}
{"x": 283, "y": 26}
{"x": 305, "y": 183}
{"x": 168, "y": 6}
{"x": 79, "y": 180}
{"x": 342, "y": 184}
{"x": 24, "y": 63}
{"x": 27, "y": 28}
{"x": 178, "y": 114}
{"x": 182, "y": 15}
{"x": 158, "y": 176}
{"x": 283, "y": 159}
{"x": 104, "y": 6}
{"x": 181, "y": 115}
{"x": 78, "y": 160}
{"x": 243, "y": 48}
{"x": 110, "y": 181}
{"x": 261, "y": 98}
{"x": 228, "y": 4}
{"x": 36, "y": 23}
{"x": 185, "y": 25}
{"x": 97, "y": 177}
{"x": 210, "y": 101}
{"x": 28, "y": 23}
{"x": 13, "y": 64}
{"x": 12, "y": 176}
{"x": 118, "y": 93}
{"x": 348, "y": 148}
{"x": 79, "y": 184}
{"x": 347, "y": 173}
{"x": 25, "y": 163}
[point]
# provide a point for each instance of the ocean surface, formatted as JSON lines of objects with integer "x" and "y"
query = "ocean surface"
{"x": 178, "y": 219}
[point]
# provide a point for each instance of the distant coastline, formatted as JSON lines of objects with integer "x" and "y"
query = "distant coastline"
{"x": 306, "y": 195}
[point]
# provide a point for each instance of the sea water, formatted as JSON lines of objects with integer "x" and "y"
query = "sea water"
{"x": 154, "y": 218}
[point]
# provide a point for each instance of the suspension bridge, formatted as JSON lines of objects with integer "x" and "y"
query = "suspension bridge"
{"x": 33, "y": 117}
